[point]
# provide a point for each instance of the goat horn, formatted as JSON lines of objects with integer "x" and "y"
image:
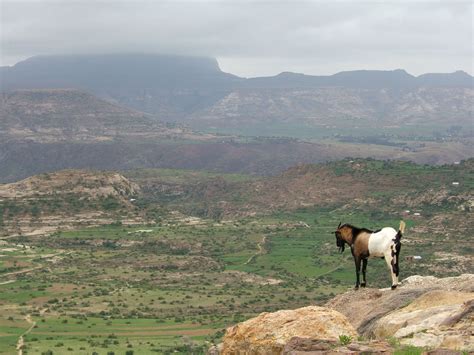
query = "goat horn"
{"x": 339, "y": 225}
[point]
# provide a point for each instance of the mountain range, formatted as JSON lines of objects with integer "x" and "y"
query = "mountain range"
{"x": 101, "y": 72}
{"x": 146, "y": 111}
{"x": 195, "y": 90}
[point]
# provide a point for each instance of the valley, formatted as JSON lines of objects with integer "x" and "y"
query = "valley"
{"x": 207, "y": 250}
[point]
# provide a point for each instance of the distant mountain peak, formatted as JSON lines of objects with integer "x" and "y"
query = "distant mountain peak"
{"x": 289, "y": 74}
{"x": 103, "y": 72}
{"x": 462, "y": 73}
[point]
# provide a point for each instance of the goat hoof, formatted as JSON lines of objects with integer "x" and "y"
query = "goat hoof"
{"x": 362, "y": 284}
{"x": 356, "y": 287}
{"x": 394, "y": 287}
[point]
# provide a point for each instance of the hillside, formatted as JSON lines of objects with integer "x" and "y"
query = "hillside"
{"x": 70, "y": 115}
{"x": 353, "y": 183}
{"x": 66, "y": 199}
{"x": 344, "y": 107}
{"x": 179, "y": 148}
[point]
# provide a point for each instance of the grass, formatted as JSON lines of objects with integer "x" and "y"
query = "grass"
{"x": 146, "y": 287}
{"x": 345, "y": 339}
{"x": 97, "y": 334}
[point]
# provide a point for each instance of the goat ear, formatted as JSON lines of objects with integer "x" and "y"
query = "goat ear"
{"x": 339, "y": 225}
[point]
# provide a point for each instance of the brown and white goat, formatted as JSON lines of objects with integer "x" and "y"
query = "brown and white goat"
{"x": 365, "y": 243}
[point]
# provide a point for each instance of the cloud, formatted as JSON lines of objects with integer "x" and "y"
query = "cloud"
{"x": 250, "y": 37}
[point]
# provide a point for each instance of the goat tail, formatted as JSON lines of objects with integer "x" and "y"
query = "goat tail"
{"x": 401, "y": 229}
{"x": 396, "y": 248}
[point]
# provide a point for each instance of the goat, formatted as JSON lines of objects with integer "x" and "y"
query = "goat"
{"x": 365, "y": 243}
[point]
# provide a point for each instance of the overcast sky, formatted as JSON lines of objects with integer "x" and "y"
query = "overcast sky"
{"x": 250, "y": 38}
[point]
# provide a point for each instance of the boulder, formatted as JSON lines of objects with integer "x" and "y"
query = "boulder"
{"x": 269, "y": 333}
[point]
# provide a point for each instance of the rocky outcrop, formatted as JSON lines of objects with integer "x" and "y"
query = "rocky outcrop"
{"x": 364, "y": 307}
{"x": 435, "y": 319}
{"x": 91, "y": 184}
{"x": 270, "y": 333}
{"x": 427, "y": 312}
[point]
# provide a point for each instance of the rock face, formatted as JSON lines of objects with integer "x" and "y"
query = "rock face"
{"x": 269, "y": 333}
{"x": 435, "y": 319}
{"x": 424, "y": 312}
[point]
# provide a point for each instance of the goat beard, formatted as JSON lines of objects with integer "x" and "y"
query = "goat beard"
{"x": 341, "y": 248}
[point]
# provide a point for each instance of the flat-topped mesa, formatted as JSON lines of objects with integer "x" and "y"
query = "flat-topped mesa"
{"x": 95, "y": 72}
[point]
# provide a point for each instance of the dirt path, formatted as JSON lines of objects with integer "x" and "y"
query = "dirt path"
{"x": 21, "y": 340}
{"x": 43, "y": 257}
{"x": 260, "y": 251}
{"x": 7, "y": 282}
{"x": 23, "y": 271}
{"x": 330, "y": 271}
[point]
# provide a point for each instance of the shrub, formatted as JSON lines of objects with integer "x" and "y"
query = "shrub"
{"x": 345, "y": 339}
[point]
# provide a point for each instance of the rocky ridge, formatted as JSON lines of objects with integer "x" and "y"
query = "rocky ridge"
{"x": 89, "y": 183}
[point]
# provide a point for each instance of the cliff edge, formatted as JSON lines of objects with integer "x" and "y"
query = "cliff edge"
{"x": 425, "y": 312}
